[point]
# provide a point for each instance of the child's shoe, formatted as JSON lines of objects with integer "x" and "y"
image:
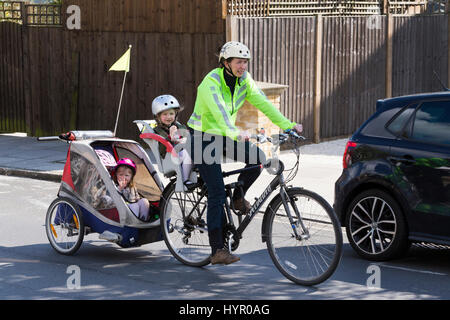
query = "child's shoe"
{"x": 190, "y": 185}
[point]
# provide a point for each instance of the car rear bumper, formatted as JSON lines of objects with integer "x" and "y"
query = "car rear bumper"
{"x": 340, "y": 191}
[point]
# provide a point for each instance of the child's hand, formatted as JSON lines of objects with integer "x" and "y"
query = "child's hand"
{"x": 182, "y": 140}
{"x": 173, "y": 131}
{"x": 122, "y": 183}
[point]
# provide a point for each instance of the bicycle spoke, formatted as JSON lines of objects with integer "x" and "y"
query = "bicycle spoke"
{"x": 313, "y": 256}
{"x": 188, "y": 241}
{"x": 64, "y": 226}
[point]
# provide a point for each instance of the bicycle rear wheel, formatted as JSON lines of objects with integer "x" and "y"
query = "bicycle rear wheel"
{"x": 183, "y": 224}
{"x": 312, "y": 257}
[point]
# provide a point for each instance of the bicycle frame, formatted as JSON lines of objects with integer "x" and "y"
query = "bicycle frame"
{"x": 277, "y": 181}
{"x": 318, "y": 253}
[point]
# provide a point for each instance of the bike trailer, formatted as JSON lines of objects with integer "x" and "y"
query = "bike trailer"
{"x": 87, "y": 186}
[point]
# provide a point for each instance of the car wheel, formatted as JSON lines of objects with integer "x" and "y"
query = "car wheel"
{"x": 376, "y": 227}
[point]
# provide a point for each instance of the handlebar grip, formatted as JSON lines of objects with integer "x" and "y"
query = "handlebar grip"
{"x": 294, "y": 134}
{"x": 51, "y": 138}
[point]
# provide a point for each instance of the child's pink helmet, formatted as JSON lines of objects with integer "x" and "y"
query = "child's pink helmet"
{"x": 128, "y": 163}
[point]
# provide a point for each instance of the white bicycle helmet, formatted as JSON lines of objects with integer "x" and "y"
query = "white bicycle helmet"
{"x": 163, "y": 103}
{"x": 234, "y": 49}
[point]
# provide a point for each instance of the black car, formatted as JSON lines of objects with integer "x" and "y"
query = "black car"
{"x": 395, "y": 186}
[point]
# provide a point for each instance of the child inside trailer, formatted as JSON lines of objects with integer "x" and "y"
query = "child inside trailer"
{"x": 123, "y": 177}
{"x": 135, "y": 189}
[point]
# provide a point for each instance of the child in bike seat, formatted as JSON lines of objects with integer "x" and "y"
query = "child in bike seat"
{"x": 165, "y": 109}
{"x": 123, "y": 177}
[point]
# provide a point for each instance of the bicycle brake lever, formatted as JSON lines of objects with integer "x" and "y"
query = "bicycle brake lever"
{"x": 295, "y": 135}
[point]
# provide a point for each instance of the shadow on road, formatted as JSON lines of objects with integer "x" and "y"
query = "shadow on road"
{"x": 422, "y": 273}
{"x": 109, "y": 272}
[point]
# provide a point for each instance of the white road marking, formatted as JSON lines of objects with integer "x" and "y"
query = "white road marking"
{"x": 412, "y": 270}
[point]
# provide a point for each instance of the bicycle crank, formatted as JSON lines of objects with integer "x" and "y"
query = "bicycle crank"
{"x": 231, "y": 238}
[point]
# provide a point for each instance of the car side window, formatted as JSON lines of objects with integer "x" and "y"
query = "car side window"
{"x": 397, "y": 125}
{"x": 432, "y": 122}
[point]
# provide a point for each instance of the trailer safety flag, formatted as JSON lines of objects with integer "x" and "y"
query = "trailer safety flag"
{"x": 123, "y": 64}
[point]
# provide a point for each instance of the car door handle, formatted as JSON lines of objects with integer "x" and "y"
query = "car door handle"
{"x": 408, "y": 160}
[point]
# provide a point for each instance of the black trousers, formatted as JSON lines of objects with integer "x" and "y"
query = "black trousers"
{"x": 207, "y": 151}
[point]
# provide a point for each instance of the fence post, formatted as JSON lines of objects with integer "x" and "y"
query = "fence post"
{"x": 389, "y": 45}
{"x": 447, "y": 11}
{"x": 231, "y": 28}
{"x": 318, "y": 77}
{"x": 385, "y": 7}
{"x": 26, "y": 74}
{"x": 225, "y": 9}
{"x": 23, "y": 13}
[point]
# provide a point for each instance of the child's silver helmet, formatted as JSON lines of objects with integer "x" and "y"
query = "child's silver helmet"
{"x": 163, "y": 103}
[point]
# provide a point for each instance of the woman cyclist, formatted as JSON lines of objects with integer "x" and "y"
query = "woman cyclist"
{"x": 213, "y": 134}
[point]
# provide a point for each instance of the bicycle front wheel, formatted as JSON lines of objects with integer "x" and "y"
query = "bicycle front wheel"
{"x": 183, "y": 224}
{"x": 312, "y": 255}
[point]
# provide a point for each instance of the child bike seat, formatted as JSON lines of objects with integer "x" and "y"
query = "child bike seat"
{"x": 171, "y": 164}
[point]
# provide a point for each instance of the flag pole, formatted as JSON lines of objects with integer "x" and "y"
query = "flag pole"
{"x": 120, "y": 102}
{"x": 123, "y": 87}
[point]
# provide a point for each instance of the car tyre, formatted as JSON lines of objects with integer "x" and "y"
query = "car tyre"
{"x": 376, "y": 227}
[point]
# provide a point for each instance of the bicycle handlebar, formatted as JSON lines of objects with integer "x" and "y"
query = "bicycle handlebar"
{"x": 69, "y": 136}
{"x": 52, "y": 138}
{"x": 279, "y": 138}
{"x": 80, "y": 135}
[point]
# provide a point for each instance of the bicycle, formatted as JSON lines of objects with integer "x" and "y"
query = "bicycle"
{"x": 300, "y": 228}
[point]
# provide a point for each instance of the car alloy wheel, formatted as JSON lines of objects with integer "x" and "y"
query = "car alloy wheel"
{"x": 375, "y": 226}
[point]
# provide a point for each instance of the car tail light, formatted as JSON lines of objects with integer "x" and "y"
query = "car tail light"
{"x": 347, "y": 160}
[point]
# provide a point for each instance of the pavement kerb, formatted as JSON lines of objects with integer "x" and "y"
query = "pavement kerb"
{"x": 56, "y": 175}
{"x": 40, "y": 175}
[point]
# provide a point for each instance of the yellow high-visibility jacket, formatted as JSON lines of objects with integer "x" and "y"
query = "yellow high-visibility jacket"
{"x": 216, "y": 109}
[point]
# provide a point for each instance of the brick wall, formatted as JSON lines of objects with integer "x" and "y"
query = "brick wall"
{"x": 251, "y": 119}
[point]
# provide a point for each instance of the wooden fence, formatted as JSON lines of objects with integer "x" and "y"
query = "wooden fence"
{"x": 160, "y": 16}
{"x": 54, "y": 79}
{"x": 277, "y": 8}
{"x": 12, "y": 77}
{"x": 337, "y": 67}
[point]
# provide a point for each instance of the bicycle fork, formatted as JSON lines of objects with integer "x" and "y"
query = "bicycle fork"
{"x": 230, "y": 236}
{"x": 304, "y": 233}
